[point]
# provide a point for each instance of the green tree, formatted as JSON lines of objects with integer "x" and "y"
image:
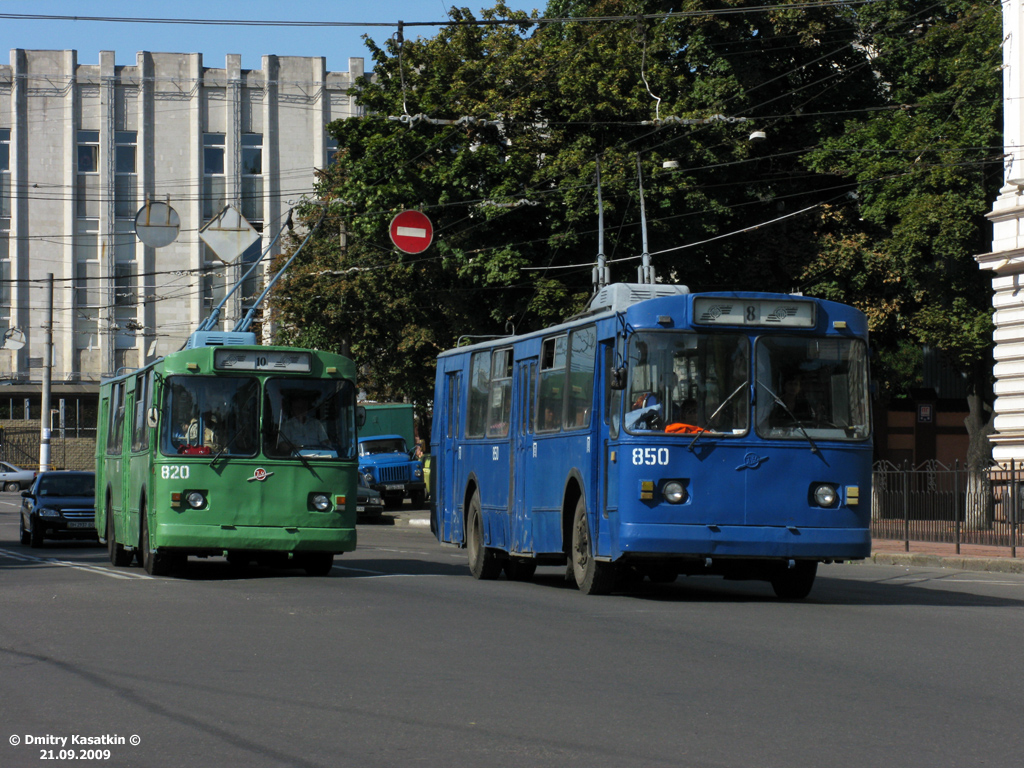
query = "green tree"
{"x": 926, "y": 166}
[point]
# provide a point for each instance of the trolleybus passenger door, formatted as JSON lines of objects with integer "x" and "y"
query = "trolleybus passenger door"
{"x": 521, "y": 460}
{"x": 450, "y": 517}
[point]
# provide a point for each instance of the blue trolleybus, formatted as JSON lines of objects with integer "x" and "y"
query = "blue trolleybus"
{"x": 660, "y": 433}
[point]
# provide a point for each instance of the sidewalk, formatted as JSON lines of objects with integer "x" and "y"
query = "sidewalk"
{"x": 972, "y": 557}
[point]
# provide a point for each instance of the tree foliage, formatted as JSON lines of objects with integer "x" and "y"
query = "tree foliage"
{"x": 871, "y": 187}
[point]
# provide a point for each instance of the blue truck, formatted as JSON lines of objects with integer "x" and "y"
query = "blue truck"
{"x": 387, "y": 454}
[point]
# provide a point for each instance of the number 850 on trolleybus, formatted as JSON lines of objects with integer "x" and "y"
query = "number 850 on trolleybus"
{"x": 248, "y": 452}
{"x": 661, "y": 433}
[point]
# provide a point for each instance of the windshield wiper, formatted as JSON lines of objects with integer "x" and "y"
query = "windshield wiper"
{"x": 297, "y": 452}
{"x": 799, "y": 424}
{"x": 718, "y": 410}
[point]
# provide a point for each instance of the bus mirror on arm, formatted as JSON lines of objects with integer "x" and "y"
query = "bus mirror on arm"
{"x": 618, "y": 378}
{"x": 360, "y": 416}
{"x": 152, "y": 417}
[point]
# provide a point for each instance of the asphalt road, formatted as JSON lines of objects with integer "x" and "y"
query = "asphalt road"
{"x": 400, "y": 658}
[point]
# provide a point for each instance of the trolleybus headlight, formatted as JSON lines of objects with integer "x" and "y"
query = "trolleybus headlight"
{"x": 674, "y": 492}
{"x": 195, "y": 499}
{"x": 320, "y": 502}
{"x": 825, "y": 495}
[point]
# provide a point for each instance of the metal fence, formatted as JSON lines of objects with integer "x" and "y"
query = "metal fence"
{"x": 936, "y": 503}
{"x": 20, "y": 446}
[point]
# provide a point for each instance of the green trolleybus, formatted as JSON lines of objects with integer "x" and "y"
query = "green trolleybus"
{"x": 247, "y": 452}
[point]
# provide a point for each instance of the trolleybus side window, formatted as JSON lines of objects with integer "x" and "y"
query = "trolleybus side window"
{"x": 680, "y": 379}
{"x": 500, "y": 400}
{"x": 479, "y": 389}
{"x": 551, "y": 384}
{"x": 812, "y": 386}
{"x": 211, "y": 415}
{"x": 309, "y": 419}
{"x": 116, "y": 422}
{"x": 580, "y": 387}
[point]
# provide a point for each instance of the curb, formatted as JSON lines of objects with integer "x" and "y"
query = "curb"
{"x": 957, "y": 562}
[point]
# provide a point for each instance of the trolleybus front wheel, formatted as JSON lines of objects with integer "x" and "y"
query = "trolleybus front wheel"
{"x": 795, "y": 583}
{"x": 317, "y": 563}
{"x": 592, "y": 576}
{"x": 155, "y": 563}
{"x": 483, "y": 563}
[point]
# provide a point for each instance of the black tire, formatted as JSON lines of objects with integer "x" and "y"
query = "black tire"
{"x": 25, "y": 538}
{"x": 592, "y": 577}
{"x": 115, "y": 551}
{"x": 483, "y": 563}
{"x": 154, "y": 563}
{"x": 35, "y": 533}
{"x": 318, "y": 563}
{"x": 795, "y": 583}
{"x": 12, "y": 487}
{"x": 418, "y": 499}
{"x": 520, "y": 570}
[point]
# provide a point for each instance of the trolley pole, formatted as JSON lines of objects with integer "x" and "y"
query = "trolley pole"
{"x": 44, "y": 406}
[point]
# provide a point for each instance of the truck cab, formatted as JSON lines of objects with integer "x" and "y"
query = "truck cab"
{"x": 389, "y": 467}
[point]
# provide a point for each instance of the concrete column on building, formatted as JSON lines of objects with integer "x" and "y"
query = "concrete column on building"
{"x": 1007, "y": 257}
{"x": 195, "y": 207}
{"x": 64, "y": 271}
{"x": 19, "y": 244}
{"x": 274, "y": 206}
{"x": 144, "y": 160}
{"x": 106, "y": 170}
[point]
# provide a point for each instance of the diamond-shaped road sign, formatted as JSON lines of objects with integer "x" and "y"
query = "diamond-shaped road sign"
{"x": 228, "y": 234}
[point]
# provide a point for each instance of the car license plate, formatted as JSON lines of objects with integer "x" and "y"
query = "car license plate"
{"x": 80, "y": 524}
{"x": 394, "y": 487}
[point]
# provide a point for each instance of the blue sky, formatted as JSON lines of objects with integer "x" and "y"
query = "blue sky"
{"x": 337, "y": 44}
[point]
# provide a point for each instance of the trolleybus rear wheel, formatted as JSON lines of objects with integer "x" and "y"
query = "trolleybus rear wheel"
{"x": 795, "y": 583}
{"x": 483, "y": 564}
{"x": 592, "y": 577}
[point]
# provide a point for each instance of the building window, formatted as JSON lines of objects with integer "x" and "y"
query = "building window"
{"x": 88, "y": 188}
{"x": 213, "y": 175}
{"x": 5, "y": 179}
{"x": 252, "y": 176}
{"x": 331, "y": 145}
{"x": 125, "y": 179}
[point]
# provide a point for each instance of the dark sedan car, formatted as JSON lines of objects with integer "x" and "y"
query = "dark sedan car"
{"x": 59, "y": 504}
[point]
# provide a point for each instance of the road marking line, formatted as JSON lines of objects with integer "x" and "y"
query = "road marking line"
{"x": 99, "y": 570}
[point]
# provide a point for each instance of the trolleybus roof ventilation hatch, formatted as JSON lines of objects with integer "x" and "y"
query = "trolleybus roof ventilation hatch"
{"x": 618, "y": 296}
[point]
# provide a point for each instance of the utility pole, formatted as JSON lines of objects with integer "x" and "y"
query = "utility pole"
{"x": 44, "y": 406}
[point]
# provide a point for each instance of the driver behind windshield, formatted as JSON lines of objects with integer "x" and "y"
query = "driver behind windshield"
{"x": 303, "y": 428}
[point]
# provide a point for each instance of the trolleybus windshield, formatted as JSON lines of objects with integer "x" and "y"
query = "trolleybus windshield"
{"x": 682, "y": 378}
{"x": 206, "y": 415}
{"x": 312, "y": 419}
{"x": 813, "y": 385}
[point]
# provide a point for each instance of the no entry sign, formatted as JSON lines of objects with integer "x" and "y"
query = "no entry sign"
{"x": 411, "y": 232}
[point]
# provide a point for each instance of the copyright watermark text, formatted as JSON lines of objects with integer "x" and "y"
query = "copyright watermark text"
{"x": 76, "y": 746}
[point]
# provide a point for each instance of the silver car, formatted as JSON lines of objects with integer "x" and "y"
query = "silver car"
{"x": 14, "y": 478}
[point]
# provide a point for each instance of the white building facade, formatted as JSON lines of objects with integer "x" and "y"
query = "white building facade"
{"x": 1007, "y": 257}
{"x": 83, "y": 146}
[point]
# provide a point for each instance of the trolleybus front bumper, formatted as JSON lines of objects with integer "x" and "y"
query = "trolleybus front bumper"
{"x": 220, "y": 538}
{"x": 744, "y": 541}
